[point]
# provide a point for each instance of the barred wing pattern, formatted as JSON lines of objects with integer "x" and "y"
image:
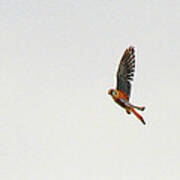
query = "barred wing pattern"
{"x": 126, "y": 70}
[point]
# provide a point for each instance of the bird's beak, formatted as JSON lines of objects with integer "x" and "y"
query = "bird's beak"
{"x": 109, "y": 91}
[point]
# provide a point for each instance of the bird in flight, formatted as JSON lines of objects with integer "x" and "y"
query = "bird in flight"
{"x": 124, "y": 75}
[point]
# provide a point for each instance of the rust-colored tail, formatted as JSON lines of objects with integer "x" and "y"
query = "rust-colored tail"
{"x": 138, "y": 116}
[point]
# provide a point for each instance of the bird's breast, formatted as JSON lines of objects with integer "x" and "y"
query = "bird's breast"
{"x": 120, "y": 94}
{"x": 121, "y": 103}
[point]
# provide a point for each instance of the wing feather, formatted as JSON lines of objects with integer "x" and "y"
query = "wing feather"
{"x": 126, "y": 70}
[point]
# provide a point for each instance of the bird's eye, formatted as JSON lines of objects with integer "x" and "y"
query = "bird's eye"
{"x": 114, "y": 93}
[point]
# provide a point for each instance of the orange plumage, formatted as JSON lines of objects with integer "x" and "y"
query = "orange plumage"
{"x": 125, "y": 74}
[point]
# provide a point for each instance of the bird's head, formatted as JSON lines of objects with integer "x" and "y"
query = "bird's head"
{"x": 112, "y": 92}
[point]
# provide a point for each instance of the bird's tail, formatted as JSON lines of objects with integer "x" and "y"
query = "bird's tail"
{"x": 138, "y": 116}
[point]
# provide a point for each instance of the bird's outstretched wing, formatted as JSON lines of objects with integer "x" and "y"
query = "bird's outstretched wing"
{"x": 126, "y": 70}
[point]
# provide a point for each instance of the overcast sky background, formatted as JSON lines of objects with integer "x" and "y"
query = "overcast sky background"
{"x": 57, "y": 61}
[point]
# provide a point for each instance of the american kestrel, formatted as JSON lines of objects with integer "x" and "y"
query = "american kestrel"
{"x": 125, "y": 74}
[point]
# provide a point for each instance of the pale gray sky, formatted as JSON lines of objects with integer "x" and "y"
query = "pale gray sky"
{"x": 58, "y": 59}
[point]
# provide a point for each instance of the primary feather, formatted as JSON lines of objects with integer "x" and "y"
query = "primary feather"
{"x": 126, "y": 70}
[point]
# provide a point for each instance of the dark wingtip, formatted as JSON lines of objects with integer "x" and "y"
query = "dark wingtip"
{"x": 132, "y": 48}
{"x": 143, "y": 108}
